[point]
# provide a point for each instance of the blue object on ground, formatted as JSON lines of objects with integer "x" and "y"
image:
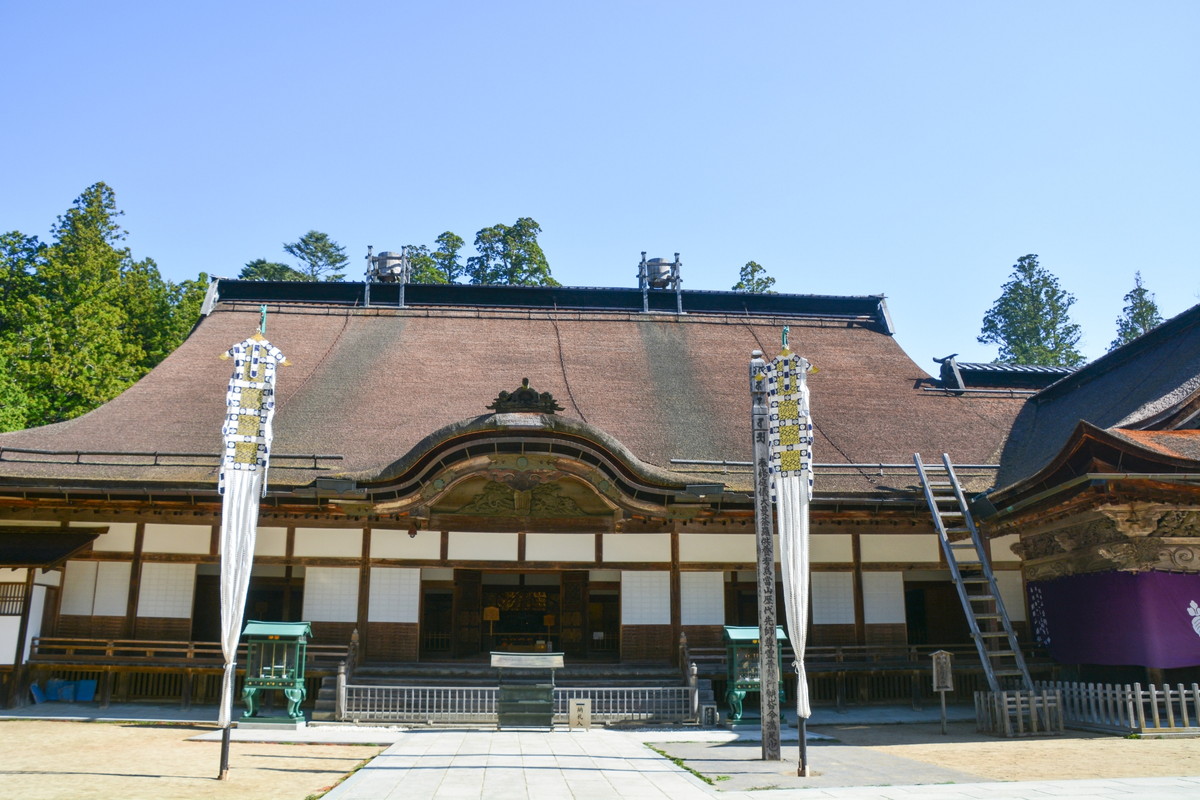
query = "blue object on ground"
{"x": 53, "y": 686}
{"x": 38, "y": 695}
{"x": 85, "y": 691}
{"x": 66, "y": 692}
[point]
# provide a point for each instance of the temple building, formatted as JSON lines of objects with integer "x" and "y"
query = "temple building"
{"x": 458, "y": 469}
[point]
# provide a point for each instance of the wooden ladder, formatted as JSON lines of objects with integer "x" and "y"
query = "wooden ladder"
{"x": 971, "y": 569}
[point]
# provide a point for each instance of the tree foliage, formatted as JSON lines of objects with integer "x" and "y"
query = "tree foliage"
{"x": 445, "y": 257}
{"x": 753, "y": 278}
{"x": 510, "y": 254}
{"x": 1030, "y": 321}
{"x": 80, "y": 319}
{"x": 1139, "y": 316}
{"x": 320, "y": 257}
{"x": 262, "y": 270}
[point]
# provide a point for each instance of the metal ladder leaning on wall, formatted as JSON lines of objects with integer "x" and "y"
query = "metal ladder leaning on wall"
{"x": 971, "y": 569}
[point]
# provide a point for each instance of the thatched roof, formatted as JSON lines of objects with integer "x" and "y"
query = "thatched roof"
{"x": 369, "y": 385}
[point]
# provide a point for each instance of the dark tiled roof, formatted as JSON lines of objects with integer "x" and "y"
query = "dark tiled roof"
{"x": 956, "y": 374}
{"x": 1151, "y": 382}
{"x": 370, "y": 385}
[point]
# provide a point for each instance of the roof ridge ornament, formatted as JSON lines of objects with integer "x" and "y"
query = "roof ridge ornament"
{"x": 525, "y": 399}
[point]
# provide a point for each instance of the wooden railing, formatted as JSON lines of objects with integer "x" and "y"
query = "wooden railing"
{"x": 451, "y": 705}
{"x": 1019, "y": 712}
{"x": 148, "y": 652}
{"x": 1129, "y": 708}
{"x": 842, "y": 674}
{"x": 143, "y": 669}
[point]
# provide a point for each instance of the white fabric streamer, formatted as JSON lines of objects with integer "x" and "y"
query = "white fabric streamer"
{"x": 239, "y": 527}
{"x": 791, "y": 468}
{"x": 250, "y": 406}
{"x": 793, "y": 545}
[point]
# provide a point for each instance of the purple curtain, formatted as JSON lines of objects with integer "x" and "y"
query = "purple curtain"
{"x": 1151, "y": 619}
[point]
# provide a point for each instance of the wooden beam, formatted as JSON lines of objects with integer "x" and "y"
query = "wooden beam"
{"x": 135, "y": 582}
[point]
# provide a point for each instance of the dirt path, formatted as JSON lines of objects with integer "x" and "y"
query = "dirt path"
{"x": 1071, "y": 756}
{"x": 53, "y": 760}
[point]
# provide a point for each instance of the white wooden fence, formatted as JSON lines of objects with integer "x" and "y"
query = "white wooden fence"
{"x": 1130, "y": 708}
{"x": 1019, "y": 712}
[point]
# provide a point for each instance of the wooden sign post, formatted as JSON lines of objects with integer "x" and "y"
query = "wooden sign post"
{"x": 943, "y": 679}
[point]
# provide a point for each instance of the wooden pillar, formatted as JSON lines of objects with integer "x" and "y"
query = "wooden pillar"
{"x": 15, "y": 690}
{"x": 860, "y": 622}
{"x": 364, "y": 596}
{"x": 135, "y": 582}
{"x": 676, "y": 598}
{"x": 768, "y": 646}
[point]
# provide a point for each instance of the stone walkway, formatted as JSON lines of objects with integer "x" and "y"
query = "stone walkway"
{"x": 601, "y": 764}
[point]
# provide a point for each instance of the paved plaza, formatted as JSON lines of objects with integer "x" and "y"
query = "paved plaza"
{"x": 601, "y": 764}
{"x": 628, "y": 763}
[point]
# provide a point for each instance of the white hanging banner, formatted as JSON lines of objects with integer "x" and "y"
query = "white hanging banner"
{"x": 790, "y": 436}
{"x": 250, "y": 406}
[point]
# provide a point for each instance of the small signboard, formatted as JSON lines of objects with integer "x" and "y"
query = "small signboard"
{"x": 579, "y": 713}
{"x": 943, "y": 678}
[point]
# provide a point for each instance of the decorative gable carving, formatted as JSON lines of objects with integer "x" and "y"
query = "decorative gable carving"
{"x": 525, "y": 399}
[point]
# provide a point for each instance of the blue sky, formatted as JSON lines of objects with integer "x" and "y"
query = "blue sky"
{"x": 909, "y": 149}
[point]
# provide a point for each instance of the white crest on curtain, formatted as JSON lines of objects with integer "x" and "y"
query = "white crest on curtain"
{"x": 250, "y": 406}
{"x": 790, "y": 436}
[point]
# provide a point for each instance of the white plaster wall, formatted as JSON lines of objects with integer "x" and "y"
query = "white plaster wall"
{"x": 395, "y": 594}
{"x": 637, "y": 547}
{"x": 9, "y": 628}
{"x": 270, "y": 542}
{"x": 191, "y": 539}
{"x": 899, "y": 547}
{"x": 12, "y": 575}
{"x": 437, "y": 574}
{"x": 716, "y": 548}
{"x": 883, "y": 597}
{"x": 604, "y": 575}
{"x": 398, "y": 544}
{"x": 112, "y": 589}
{"x": 831, "y": 548}
{"x": 52, "y": 578}
{"x": 167, "y": 590}
{"x": 1012, "y": 592}
{"x": 645, "y": 598}
{"x": 560, "y": 547}
{"x": 329, "y": 543}
{"x": 466, "y": 546}
{"x": 119, "y": 539}
{"x": 1002, "y": 548}
{"x": 79, "y": 587}
{"x": 833, "y": 598}
{"x": 331, "y": 594}
{"x": 702, "y": 598}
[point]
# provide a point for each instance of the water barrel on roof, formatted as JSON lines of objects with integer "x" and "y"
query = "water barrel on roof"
{"x": 658, "y": 272}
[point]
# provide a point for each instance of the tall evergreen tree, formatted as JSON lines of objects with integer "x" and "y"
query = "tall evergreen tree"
{"x": 83, "y": 320}
{"x": 262, "y": 270}
{"x": 1139, "y": 316}
{"x": 421, "y": 266}
{"x": 320, "y": 257}
{"x": 1030, "y": 321}
{"x": 446, "y": 256}
{"x": 510, "y": 254}
{"x": 753, "y": 278}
